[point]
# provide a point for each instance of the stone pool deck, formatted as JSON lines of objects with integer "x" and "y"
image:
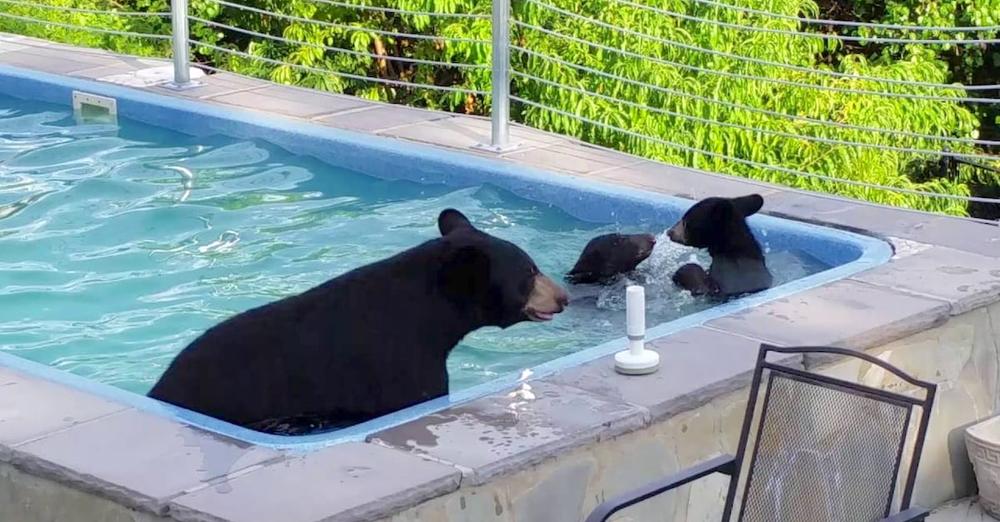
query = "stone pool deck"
{"x": 961, "y": 510}
{"x": 933, "y": 310}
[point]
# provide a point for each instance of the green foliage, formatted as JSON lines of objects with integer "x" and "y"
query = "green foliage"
{"x": 650, "y": 89}
{"x": 351, "y": 43}
{"x": 779, "y": 141}
{"x": 15, "y": 18}
{"x": 965, "y": 59}
{"x": 970, "y": 64}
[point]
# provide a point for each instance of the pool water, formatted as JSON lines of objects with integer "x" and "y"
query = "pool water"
{"x": 119, "y": 244}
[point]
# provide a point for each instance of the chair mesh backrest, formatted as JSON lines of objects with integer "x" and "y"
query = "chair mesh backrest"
{"x": 823, "y": 453}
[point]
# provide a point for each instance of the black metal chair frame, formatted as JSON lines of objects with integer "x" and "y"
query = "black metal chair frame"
{"x": 733, "y": 466}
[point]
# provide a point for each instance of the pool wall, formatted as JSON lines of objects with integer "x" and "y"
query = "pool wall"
{"x": 849, "y": 253}
{"x": 68, "y": 454}
{"x": 961, "y": 356}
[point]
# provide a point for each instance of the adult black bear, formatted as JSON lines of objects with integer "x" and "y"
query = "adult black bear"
{"x": 369, "y": 342}
{"x": 607, "y": 256}
{"x": 719, "y": 225}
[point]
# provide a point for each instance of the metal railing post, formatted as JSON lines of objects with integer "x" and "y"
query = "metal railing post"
{"x": 500, "y": 109}
{"x": 179, "y": 39}
{"x": 500, "y": 76}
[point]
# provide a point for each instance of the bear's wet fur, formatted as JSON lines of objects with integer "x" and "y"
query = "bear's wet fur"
{"x": 719, "y": 225}
{"x": 366, "y": 343}
{"x": 608, "y": 256}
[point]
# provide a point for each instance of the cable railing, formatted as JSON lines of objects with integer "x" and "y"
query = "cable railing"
{"x": 69, "y": 9}
{"x": 404, "y": 12}
{"x": 806, "y": 34}
{"x": 738, "y": 57}
{"x": 783, "y": 97}
{"x": 785, "y": 170}
{"x": 751, "y": 109}
{"x": 743, "y": 76}
{"x": 711, "y": 122}
{"x": 335, "y": 73}
{"x": 98, "y": 30}
{"x": 847, "y": 23}
{"x": 339, "y": 50}
{"x": 346, "y": 27}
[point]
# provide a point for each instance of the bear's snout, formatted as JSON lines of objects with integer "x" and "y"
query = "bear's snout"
{"x": 646, "y": 244}
{"x": 676, "y": 233}
{"x": 546, "y": 300}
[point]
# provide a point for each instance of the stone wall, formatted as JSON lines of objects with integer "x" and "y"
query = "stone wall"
{"x": 27, "y": 498}
{"x": 961, "y": 356}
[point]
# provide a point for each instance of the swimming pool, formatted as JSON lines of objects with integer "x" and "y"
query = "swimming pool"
{"x": 126, "y": 241}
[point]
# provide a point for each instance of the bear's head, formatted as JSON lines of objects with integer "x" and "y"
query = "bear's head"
{"x": 492, "y": 279}
{"x": 716, "y": 223}
{"x": 694, "y": 278}
{"x": 606, "y": 256}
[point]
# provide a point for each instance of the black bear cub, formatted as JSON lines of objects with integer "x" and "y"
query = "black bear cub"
{"x": 719, "y": 225}
{"x": 369, "y": 342}
{"x": 607, "y": 256}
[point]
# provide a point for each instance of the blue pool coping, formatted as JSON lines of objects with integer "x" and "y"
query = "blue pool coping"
{"x": 585, "y": 199}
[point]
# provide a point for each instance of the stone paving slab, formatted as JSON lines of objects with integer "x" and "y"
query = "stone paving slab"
{"x": 299, "y": 103}
{"x": 215, "y": 85}
{"x": 102, "y": 71}
{"x": 683, "y": 182}
{"x": 963, "y": 279}
{"x": 353, "y": 482}
{"x": 958, "y": 234}
{"x": 961, "y": 510}
{"x": 48, "y": 60}
{"x": 935, "y": 229}
{"x": 519, "y": 134}
{"x": 468, "y": 133}
{"x": 845, "y": 313}
{"x": 11, "y": 43}
{"x": 696, "y": 365}
{"x": 574, "y": 160}
{"x": 138, "y": 459}
{"x": 30, "y": 408}
{"x": 501, "y": 433}
{"x": 379, "y": 118}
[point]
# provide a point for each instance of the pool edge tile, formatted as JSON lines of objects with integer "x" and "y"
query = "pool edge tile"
{"x": 670, "y": 391}
{"x": 832, "y": 211}
{"x": 497, "y": 434}
{"x": 288, "y": 101}
{"x": 364, "y": 468}
{"x": 118, "y": 446}
{"x": 965, "y": 280}
{"x": 849, "y": 316}
{"x": 54, "y": 407}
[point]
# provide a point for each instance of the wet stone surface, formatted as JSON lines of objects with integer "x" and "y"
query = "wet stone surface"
{"x": 846, "y": 313}
{"x": 352, "y": 481}
{"x": 502, "y": 433}
{"x": 696, "y": 365}
{"x": 963, "y": 279}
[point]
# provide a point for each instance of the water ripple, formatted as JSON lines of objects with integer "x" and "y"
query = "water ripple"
{"x": 120, "y": 244}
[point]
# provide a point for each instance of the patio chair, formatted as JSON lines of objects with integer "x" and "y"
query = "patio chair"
{"x": 815, "y": 449}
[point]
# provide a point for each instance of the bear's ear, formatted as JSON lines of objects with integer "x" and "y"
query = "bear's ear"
{"x": 748, "y": 205}
{"x": 450, "y": 220}
{"x": 465, "y": 273}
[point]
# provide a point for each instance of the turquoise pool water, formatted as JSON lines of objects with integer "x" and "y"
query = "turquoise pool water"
{"x": 120, "y": 243}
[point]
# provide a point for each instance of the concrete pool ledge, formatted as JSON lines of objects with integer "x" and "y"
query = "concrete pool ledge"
{"x": 587, "y": 433}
